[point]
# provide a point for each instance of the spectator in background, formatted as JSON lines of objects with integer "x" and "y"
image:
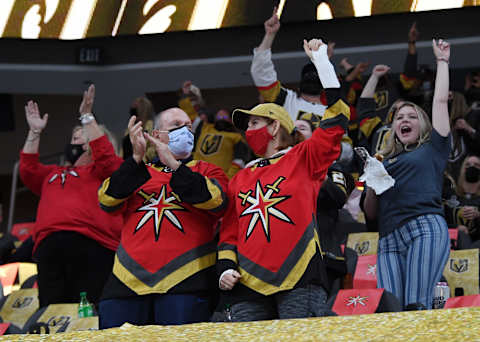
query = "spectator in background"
{"x": 472, "y": 89}
{"x": 333, "y": 195}
{"x": 469, "y": 126}
{"x": 414, "y": 241}
{"x": 414, "y": 84}
{"x": 216, "y": 139}
{"x": 142, "y": 108}
{"x": 75, "y": 241}
{"x": 457, "y": 109}
{"x": 163, "y": 270}
{"x": 307, "y": 100}
{"x": 462, "y": 210}
{"x": 267, "y": 269}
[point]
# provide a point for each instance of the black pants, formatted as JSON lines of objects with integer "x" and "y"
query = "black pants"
{"x": 69, "y": 263}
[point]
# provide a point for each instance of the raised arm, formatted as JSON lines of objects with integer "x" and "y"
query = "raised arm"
{"x": 335, "y": 120}
{"x": 36, "y": 125}
{"x": 272, "y": 25}
{"x": 377, "y": 72}
{"x": 90, "y": 126}
{"x": 440, "y": 119}
{"x": 262, "y": 69}
{"x": 32, "y": 172}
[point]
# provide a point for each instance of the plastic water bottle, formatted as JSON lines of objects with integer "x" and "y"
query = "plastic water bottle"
{"x": 85, "y": 309}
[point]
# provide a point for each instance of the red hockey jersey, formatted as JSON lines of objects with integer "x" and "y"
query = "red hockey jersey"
{"x": 170, "y": 220}
{"x": 269, "y": 229}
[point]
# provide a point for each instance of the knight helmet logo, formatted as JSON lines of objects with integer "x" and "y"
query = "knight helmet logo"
{"x": 362, "y": 247}
{"x": 211, "y": 144}
{"x": 381, "y": 99}
{"x": 459, "y": 265}
{"x": 20, "y": 303}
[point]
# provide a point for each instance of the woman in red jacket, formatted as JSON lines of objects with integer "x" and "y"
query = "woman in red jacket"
{"x": 75, "y": 241}
{"x": 269, "y": 258}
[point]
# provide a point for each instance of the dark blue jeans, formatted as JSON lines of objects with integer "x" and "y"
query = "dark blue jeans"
{"x": 162, "y": 309}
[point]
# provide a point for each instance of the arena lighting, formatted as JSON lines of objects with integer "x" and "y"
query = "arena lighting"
{"x": 208, "y": 14}
{"x": 78, "y": 19}
{"x": 119, "y": 17}
{"x": 430, "y": 5}
{"x": 362, "y": 8}
{"x": 74, "y": 19}
{"x": 280, "y": 8}
{"x": 324, "y": 12}
{"x": 159, "y": 22}
{"x": 5, "y": 9}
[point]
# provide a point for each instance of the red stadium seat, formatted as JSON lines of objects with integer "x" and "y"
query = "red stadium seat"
{"x": 22, "y": 230}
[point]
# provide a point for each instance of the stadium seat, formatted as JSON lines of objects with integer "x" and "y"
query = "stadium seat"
{"x": 462, "y": 302}
{"x": 22, "y": 230}
{"x": 61, "y": 318}
{"x": 461, "y": 272}
{"x": 363, "y": 243}
{"x": 365, "y": 276}
{"x": 364, "y": 301}
{"x": 19, "y": 306}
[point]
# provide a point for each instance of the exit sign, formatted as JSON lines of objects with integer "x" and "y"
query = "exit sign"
{"x": 90, "y": 55}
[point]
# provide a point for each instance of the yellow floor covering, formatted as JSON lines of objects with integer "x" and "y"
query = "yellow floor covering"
{"x": 435, "y": 325}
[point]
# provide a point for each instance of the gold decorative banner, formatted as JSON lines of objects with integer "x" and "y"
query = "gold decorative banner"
{"x": 428, "y": 325}
{"x": 77, "y": 19}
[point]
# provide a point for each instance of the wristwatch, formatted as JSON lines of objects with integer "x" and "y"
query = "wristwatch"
{"x": 86, "y": 118}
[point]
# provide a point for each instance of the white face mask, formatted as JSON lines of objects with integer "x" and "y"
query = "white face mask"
{"x": 180, "y": 142}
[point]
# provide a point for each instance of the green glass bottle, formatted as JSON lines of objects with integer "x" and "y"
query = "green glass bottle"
{"x": 85, "y": 309}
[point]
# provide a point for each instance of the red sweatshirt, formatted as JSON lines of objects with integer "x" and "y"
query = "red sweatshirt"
{"x": 68, "y": 195}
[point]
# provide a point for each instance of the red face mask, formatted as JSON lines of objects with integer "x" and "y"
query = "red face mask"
{"x": 258, "y": 140}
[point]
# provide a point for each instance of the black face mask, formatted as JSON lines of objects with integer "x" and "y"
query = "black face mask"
{"x": 73, "y": 152}
{"x": 133, "y": 111}
{"x": 472, "y": 174}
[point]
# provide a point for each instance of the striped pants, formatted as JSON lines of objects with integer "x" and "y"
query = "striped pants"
{"x": 411, "y": 259}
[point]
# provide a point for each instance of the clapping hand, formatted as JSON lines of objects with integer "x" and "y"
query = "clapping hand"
{"x": 35, "y": 122}
{"x": 163, "y": 152}
{"x": 139, "y": 144}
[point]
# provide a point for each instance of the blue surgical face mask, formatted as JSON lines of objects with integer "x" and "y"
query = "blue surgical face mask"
{"x": 180, "y": 142}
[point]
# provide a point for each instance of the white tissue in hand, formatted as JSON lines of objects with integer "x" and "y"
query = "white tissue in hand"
{"x": 376, "y": 177}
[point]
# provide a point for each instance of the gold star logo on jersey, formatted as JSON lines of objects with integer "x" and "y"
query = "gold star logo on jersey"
{"x": 159, "y": 207}
{"x": 262, "y": 205}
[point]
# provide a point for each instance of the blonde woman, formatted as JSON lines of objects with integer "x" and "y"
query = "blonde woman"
{"x": 414, "y": 241}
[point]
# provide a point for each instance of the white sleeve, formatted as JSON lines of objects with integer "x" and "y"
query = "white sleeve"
{"x": 262, "y": 68}
{"x": 325, "y": 69}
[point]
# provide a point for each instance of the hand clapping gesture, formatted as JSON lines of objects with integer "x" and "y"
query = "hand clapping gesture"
{"x": 139, "y": 144}
{"x": 35, "y": 122}
{"x": 163, "y": 152}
